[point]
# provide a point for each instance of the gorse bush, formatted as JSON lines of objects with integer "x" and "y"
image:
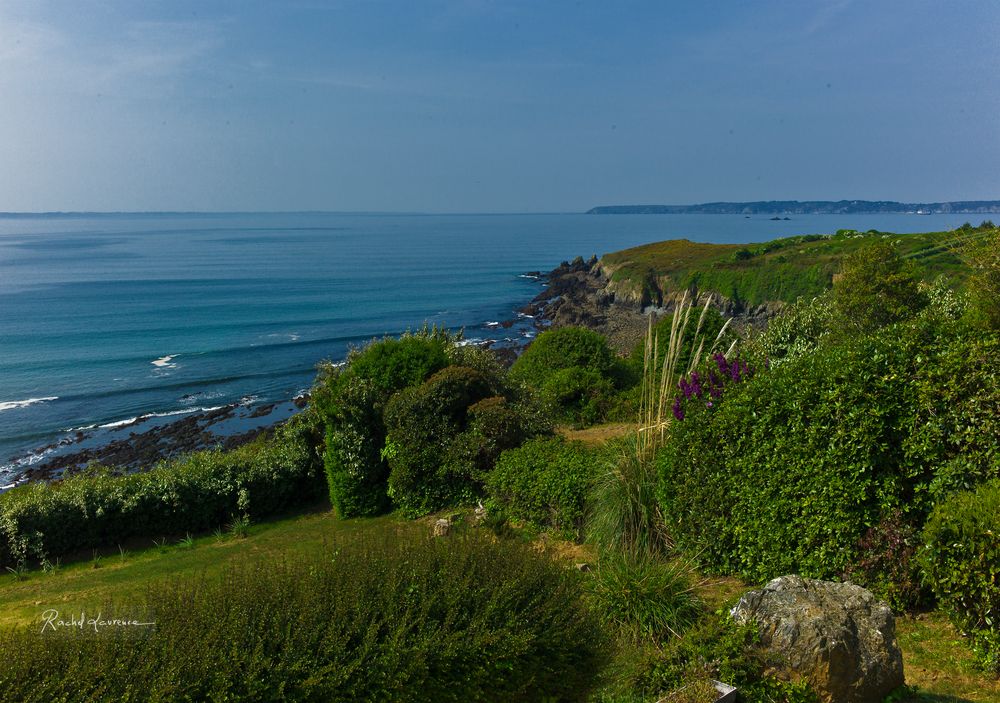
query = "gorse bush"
{"x": 378, "y": 619}
{"x": 352, "y": 400}
{"x": 543, "y": 483}
{"x": 797, "y": 330}
{"x": 961, "y": 560}
{"x": 196, "y": 493}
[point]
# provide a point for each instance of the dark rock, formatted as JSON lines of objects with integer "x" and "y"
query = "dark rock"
{"x": 837, "y": 636}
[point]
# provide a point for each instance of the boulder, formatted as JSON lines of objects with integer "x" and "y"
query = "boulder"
{"x": 837, "y": 636}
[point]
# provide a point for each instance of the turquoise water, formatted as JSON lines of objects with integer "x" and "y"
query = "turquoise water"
{"x": 105, "y": 318}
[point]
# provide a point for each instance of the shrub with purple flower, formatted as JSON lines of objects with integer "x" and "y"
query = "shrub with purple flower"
{"x": 708, "y": 385}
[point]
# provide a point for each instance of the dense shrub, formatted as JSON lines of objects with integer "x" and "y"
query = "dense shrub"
{"x": 788, "y": 472}
{"x": 720, "y": 649}
{"x": 984, "y": 257}
{"x": 421, "y": 422}
{"x": 961, "y": 560}
{"x": 877, "y": 287}
{"x": 544, "y": 483}
{"x": 886, "y": 562}
{"x": 575, "y": 370}
{"x": 198, "y": 492}
{"x": 352, "y": 400}
{"x": 795, "y": 331}
{"x": 392, "y": 619}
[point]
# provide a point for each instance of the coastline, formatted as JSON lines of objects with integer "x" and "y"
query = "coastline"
{"x": 138, "y": 443}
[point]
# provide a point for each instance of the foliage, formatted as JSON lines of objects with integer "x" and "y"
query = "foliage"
{"x": 984, "y": 258}
{"x": 393, "y": 619}
{"x": 623, "y": 513}
{"x": 719, "y": 648}
{"x": 713, "y": 331}
{"x": 780, "y": 270}
{"x": 886, "y": 563}
{"x": 575, "y": 370}
{"x": 351, "y": 400}
{"x": 789, "y": 471}
{"x": 195, "y": 493}
{"x": 544, "y": 483}
{"x": 796, "y": 331}
{"x": 643, "y": 597}
{"x": 877, "y": 287}
{"x": 707, "y": 385}
{"x": 421, "y": 422}
{"x": 961, "y": 560}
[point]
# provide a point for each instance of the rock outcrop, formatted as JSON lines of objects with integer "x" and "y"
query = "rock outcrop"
{"x": 837, "y": 636}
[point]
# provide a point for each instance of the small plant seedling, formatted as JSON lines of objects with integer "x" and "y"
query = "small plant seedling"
{"x": 187, "y": 542}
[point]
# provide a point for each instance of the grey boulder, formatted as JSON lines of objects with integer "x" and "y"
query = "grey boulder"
{"x": 837, "y": 636}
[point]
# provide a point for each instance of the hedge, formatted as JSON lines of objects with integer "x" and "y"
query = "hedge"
{"x": 196, "y": 493}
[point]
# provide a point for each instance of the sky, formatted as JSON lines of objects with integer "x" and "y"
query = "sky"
{"x": 478, "y": 106}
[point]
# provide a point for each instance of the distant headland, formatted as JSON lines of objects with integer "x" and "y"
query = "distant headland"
{"x": 805, "y": 207}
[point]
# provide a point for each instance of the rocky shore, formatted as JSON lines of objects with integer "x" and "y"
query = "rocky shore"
{"x": 580, "y": 293}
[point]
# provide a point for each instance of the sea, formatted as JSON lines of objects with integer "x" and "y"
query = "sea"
{"x": 105, "y": 318}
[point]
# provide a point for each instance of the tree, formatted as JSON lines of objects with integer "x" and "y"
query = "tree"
{"x": 877, "y": 287}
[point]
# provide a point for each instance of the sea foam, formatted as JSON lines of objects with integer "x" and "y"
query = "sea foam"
{"x": 14, "y": 404}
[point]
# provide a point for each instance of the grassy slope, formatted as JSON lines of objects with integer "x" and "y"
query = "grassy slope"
{"x": 936, "y": 660}
{"x": 779, "y": 270}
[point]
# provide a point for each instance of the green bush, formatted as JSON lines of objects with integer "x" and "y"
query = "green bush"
{"x": 544, "y": 483}
{"x": 984, "y": 257}
{"x": 581, "y": 395}
{"x": 575, "y": 371}
{"x": 725, "y": 651}
{"x": 790, "y": 469}
{"x": 352, "y": 400}
{"x": 392, "y": 619}
{"x": 644, "y": 598}
{"x": 421, "y": 423}
{"x": 961, "y": 561}
{"x": 196, "y": 493}
{"x": 877, "y": 287}
{"x": 795, "y": 332}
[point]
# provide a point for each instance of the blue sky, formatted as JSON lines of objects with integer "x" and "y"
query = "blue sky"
{"x": 476, "y": 106}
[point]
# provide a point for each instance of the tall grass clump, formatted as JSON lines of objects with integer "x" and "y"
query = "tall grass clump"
{"x": 380, "y": 618}
{"x": 624, "y": 514}
{"x": 645, "y": 598}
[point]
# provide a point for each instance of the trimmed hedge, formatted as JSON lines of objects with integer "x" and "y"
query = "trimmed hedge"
{"x": 394, "y": 618}
{"x": 961, "y": 562}
{"x": 196, "y": 493}
{"x": 544, "y": 483}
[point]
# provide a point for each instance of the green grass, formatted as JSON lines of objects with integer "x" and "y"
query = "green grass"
{"x": 779, "y": 270}
{"x": 79, "y": 586}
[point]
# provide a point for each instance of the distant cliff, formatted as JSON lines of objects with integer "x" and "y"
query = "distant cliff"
{"x": 749, "y": 282}
{"x": 805, "y": 207}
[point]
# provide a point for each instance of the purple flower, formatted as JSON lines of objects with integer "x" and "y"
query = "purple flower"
{"x": 678, "y": 411}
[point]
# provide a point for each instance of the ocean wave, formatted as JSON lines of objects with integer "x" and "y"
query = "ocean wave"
{"x": 144, "y": 416}
{"x": 14, "y": 404}
{"x": 164, "y": 361}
